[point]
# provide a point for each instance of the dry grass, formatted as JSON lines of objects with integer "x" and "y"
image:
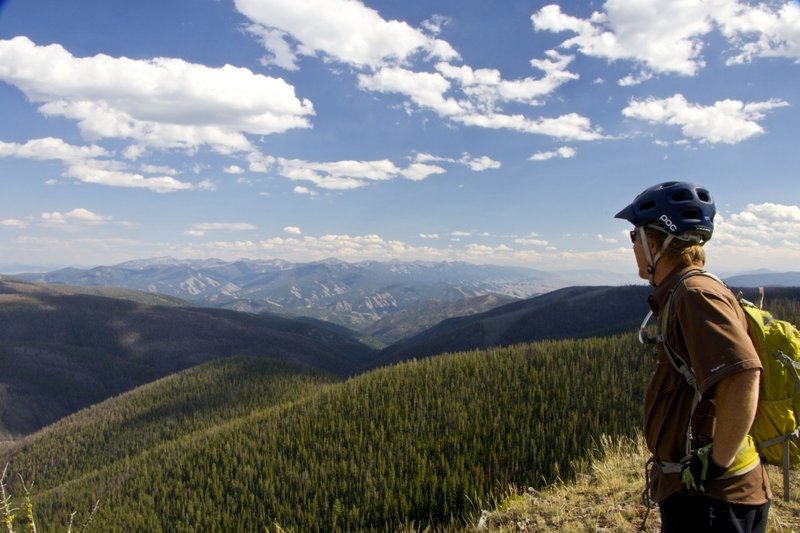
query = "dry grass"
{"x": 606, "y": 497}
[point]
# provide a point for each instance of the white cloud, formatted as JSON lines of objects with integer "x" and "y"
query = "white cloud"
{"x": 200, "y": 229}
{"x": 726, "y": 121}
{"x": 13, "y": 223}
{"x": 78, "y": 216}
{"x": 292, "y": 230}
{"x": 564, "y": 152}
{"x": 485, "y": 87}
{"x": 161, "y": 102}
{"x": 279, "y": 51}
{"x": 158, "y": 169}
{"x": 420, "y": 171}
{"x": 483, "y": 90}
{"x": 339, "y": 30}
{"x": 630, "y": 80}
{"x": 341, "y": 175}
{"x": 763, "y": 30}
{"x": 50, "y": 148}
{"x": 233, "y": 169}
{"x": 349, "y": 32}
{"x": 105, "y": 173}
{"x": 667, "y": 37}
{"x": 760, "y": 235}
{"x": 531, "y": 240}
{"x": 479, "y": 164}
{"x": 435, "y": 24}
{"x": 610, "y": 240}
{"x": 429, "y": 235}
{"x": 304, "y": 190}
{"x": 760, "y": 224}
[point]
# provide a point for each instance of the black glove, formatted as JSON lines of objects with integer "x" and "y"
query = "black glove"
{"x": 699, "y": 468}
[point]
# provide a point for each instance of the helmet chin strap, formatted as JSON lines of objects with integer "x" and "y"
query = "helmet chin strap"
{"x": 651, "y": 261}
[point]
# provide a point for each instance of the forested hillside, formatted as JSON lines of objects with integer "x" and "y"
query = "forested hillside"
{"x": 61, "y": 351}
{"x": 574, "y": 312}
{"x": 428, "y": 442}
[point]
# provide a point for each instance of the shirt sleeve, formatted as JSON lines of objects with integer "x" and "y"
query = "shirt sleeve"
{"x": 713, "y": 331}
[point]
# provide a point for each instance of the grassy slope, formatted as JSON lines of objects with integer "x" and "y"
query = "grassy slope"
{"x": 605, "y": 496}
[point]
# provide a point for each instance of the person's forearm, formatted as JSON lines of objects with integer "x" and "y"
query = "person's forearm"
{"x": 735, "y": 400}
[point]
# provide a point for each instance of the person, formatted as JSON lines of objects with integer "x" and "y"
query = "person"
{"x": 705, "y": 473}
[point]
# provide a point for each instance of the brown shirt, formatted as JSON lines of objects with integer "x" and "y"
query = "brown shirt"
{"x": 707, "y": 327}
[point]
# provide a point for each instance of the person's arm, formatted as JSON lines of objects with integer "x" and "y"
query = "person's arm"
{"x": 735, "y": 401}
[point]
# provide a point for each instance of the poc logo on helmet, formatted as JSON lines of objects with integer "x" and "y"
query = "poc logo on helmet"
{"x": 668, "y": 223}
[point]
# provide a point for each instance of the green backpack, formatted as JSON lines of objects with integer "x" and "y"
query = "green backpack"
{"x": 776, "y": 428}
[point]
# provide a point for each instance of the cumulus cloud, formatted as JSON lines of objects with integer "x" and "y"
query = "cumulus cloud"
{"x": 486, "y": 87}
{"x": 763, "y": 30}
{"x": 107, "y": 173}
{"x": 757, "y": 236}
{"x": 292, "y": 230}
{"x": 564, "y": 152}
{"x": 479, "y": 164}
{"x": 161, "y": 102}
{"x": 78, "y": 216}
{"x": 341, "y": 175}
{"x": 387, "y": 53}
{"x": 340, "y": 30}
{"x": 726, "y": 121}
{"x": 483, "y": 91}
{"x": 667, "y": 37}
{"x": 50, "y": 148}
{"x": 759, "y": 224}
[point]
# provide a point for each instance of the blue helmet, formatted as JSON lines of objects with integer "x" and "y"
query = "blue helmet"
{"x": 681, "y": 209}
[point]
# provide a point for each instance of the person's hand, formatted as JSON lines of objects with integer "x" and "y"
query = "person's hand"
{"x": 699, "y": 468}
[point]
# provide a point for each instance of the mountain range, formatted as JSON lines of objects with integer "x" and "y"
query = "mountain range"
{"x": 354, "y": 295}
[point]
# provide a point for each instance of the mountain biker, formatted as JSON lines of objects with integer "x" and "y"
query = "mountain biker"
{"x": 705, "y": 474}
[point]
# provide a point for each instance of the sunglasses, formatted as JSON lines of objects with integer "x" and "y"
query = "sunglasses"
{"x": 634, "y": 235}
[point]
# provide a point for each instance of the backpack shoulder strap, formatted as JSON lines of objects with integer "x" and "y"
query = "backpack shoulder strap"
{"x": 678, "y": 362}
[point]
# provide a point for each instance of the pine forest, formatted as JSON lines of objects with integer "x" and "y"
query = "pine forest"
{"x": 251, "y": 444}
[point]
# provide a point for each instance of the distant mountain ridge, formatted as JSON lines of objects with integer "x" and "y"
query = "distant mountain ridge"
{"x": 355, "y": 295}
{"x": 765, "y": 279}
{"x": 61, "y": 350}
{"x": 572, "y": 312}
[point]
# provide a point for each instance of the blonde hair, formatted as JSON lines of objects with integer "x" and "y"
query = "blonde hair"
{"x": 681, "y": 253}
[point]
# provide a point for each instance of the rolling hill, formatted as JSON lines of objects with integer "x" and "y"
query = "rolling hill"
{"x": 423, "y": 443}
{"x": 574, "y": 312}
{"x": 61, "y": 351}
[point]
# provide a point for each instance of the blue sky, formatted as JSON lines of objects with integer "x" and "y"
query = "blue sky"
{"x": 491, "y": 132}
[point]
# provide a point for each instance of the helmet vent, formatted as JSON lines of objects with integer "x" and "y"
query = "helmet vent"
{"x": 682, "y": 195}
